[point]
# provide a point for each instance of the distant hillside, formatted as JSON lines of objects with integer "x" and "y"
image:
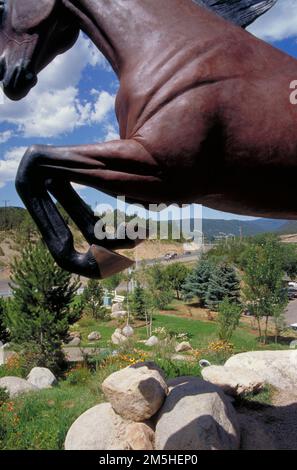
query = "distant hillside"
{"x": 219, "y": 227}
{"x": 11, "y": 217}
{"x": 289, "y": 226}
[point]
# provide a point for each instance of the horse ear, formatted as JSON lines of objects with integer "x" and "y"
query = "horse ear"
{"x": 27, "y": 14}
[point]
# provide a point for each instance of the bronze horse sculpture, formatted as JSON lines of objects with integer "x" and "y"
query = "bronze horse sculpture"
{"x": 203, "y": 109}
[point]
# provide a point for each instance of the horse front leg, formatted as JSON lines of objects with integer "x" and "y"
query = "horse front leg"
{"x": 84, "y": 218}
{"x": 119, "y": 167}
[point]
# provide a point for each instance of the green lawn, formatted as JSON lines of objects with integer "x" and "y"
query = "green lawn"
{"x": 200, "y": 332}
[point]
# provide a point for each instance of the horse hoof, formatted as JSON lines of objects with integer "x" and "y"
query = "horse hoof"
{"x": 108, "y": 262}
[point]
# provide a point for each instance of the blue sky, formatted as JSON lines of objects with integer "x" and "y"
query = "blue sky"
{"x": 73, "y": 103}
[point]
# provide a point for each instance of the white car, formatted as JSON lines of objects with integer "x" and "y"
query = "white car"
{"x": 293, "y": 326}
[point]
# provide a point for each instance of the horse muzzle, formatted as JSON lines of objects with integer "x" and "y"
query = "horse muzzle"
{"x": 17, "y": 80}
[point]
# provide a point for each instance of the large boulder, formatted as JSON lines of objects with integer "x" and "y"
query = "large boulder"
{"x": 16, "y": 386}
{"x": 139, "y": 436}
{"x": 277, "y": 368}
{"x": 182, "y": 347}
{"x": 117, "y": 337}
{"x": 152, "y": 341}
{"x": 41, "y": 377}
{"x": 254, "y": 435}
{"x": 118, "y": 314}
{"x": 128, "y": 331}
{"x": 233, "y": 380}
{"x": 94, "y": 336}
{"x": 136, "y": 392}
{"x": 74, "y": 342}
{"x": 99, "y": 428}
{"x": 196, "y": 415}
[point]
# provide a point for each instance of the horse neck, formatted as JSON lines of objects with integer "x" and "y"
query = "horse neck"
{"x": 123, "y": 29}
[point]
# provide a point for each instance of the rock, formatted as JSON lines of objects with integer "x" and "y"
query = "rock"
{"x": 254, "y": 436}
{"x": 152, "y": 341}
{"x": 74, "y": 342}
{"x": 99, "y": 428}
{"x": 136, "y": 392}
{"x": 196, "y": 415}
{"x": 117, "y": 307}
{"x": 233, "y": 380}
{"x": 277, "y": 368}
{"x": 74, "y": 334}
{"x": 139, "y": 436}
{"x": 293, "y": 344}
{"x": 16, "y": 386}
{"x": 182, "y": 347}
{"x": 94, "y": 336}
{"x": 117, "y": 337}
{"x": 128, "y": 331}
{"x": 204, "y": 363}
{"x": 119, "y": 314}
{"x": 41, "y": 377}
{"x": 179, "y": 357}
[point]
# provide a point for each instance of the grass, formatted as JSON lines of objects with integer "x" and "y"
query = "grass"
{"x": 40, "y": 421}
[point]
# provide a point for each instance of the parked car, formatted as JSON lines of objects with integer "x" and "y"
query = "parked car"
{"x": 293, "y": 326}
{"x": 170, "y": 256}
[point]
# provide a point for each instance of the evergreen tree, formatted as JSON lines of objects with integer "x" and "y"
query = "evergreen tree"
{"x": 196, "y": 283}
{"x": 223, "y": 283}
{"x": 43, "y": 304}
{"x": 138, "y": 303}
{"x": 93, "y": 299}
{"x": 4, "y": 336}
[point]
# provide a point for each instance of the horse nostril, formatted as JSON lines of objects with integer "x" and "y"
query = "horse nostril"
{"x": 2, "y": 69}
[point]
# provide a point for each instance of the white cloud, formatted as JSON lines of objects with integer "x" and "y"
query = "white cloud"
{"x": 53, "y": 107}
{"x": 111, "y": 132}
{"x": 5, "y": 136}
{"x": 9, "y": 166}
{"x": 278, "y": 23}
{"x": 103, "y": 105}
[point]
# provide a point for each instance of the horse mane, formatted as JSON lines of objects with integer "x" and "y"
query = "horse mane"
{"x": 240, "y": 12}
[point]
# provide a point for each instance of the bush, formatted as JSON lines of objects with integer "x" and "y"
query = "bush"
{"x": 228, "y": 319}
{"x": 78, "y": 376}
{"x": 4, "y": 396}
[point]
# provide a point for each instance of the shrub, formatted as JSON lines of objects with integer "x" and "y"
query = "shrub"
{"x": 4, "y": 396}
{"x": 228, "y": 319}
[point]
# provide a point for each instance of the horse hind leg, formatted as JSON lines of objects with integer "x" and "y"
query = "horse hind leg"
{"x": 98, "y": 262}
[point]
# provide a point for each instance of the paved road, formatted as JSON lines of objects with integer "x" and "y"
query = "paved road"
{"x": 291, "y": 312}
{"x": 4, "y": 288}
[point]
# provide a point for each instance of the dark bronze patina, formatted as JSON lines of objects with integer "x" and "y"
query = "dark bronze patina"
{"x": 203, "y": 109}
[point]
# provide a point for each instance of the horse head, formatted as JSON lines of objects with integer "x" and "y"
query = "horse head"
{"x": 32, "y": 34}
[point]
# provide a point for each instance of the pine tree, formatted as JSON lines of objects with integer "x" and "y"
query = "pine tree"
{"x": 223, "y": 283}
{"x": 196, "y": 283}
{"x": 93, "y": 299}
{"x": 138, "y": 303}
{"x": 43, "y": 304}
{"x": 4, "y": 335}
